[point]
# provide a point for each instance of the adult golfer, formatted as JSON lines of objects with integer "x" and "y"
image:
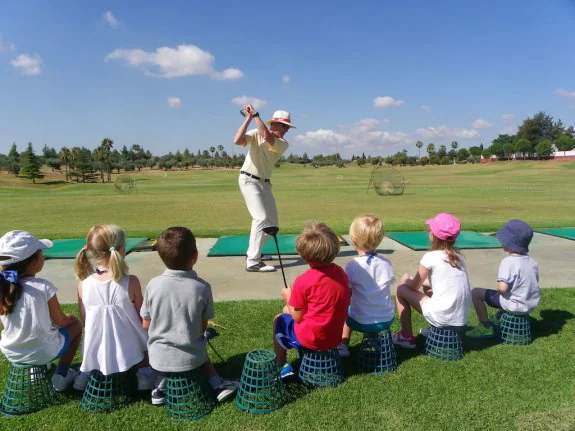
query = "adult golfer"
{"x": 265, "y": 148}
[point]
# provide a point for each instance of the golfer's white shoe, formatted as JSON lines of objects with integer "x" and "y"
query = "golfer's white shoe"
{"x": 260, "y": 267}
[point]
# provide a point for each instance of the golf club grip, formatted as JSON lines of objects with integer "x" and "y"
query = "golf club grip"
{"x": 242, "y": 112}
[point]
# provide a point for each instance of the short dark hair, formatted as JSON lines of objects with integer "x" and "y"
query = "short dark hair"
{"x": 176, "y": 246}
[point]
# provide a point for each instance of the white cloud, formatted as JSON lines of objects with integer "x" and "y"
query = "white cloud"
{"x": 228, "y": 75}
{"x": 363, "y": 135}
{"x": 174, "y": 102}
{"x": 6, "y": 46}
{"x": 564, "y": 93}
{"x": 166, "y": 62}
{"x": 286, "y": 79}
{"x": 508, "y": 117}
{"x": 447, "y": 132}
{"x": 111, "y": 19}
{"x": 387, "y": 102}
{"x": 28, "y": 65}
{"x": 480, "y": 123}
{"x": 386, "y": 121}
{"x": 425, "y": 108}
{"x": 248, "y": 100}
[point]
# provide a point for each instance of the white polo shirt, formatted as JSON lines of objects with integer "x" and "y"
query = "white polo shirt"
{"x": 262, "y": 156}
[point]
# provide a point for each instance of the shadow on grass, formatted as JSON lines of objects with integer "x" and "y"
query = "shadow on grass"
{"x": 552, "y": 321}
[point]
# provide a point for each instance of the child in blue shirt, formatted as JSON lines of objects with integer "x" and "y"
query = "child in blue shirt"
{"x": 518, "y": 280}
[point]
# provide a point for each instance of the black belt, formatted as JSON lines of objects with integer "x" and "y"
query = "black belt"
{"x": 255, "y": 177}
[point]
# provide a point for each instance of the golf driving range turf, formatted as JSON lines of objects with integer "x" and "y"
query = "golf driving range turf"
{"x": 494, "y": 387}
{"x": 210, "y": 203}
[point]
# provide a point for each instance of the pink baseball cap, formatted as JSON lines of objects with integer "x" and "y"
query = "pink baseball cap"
{"x": 445, "y": 226}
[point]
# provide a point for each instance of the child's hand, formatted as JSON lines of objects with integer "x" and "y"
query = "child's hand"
{"x": 286, "y": 293}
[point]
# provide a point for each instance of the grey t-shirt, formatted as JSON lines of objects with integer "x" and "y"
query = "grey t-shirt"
{"x": 521, "y": 273}
{"x": 176, "y": 303}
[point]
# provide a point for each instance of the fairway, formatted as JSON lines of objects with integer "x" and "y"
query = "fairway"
{"x": 210, "y": 203}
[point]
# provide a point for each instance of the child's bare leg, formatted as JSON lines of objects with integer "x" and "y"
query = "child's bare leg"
{"x": 478, "y": 298}
{"x": 281, "y": 354}
{"x": 346, "y": 334}
{"x": 74, "y": 330}
{"x": 406, "y": 299}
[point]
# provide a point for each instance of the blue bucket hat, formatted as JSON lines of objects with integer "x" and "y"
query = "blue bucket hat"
{"x": 515, "y": 235}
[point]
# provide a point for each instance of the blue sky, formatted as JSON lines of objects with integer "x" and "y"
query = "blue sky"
{"x": 368, "y": 76}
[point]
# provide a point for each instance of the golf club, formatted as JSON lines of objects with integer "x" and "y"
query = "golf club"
{"x": 273, "y": 231}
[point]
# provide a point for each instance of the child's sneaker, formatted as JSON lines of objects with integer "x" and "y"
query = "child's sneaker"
{"x": 81, "y": 381}
{"x": 145, "y": 379}
{"x": 60, "y": 382}
{"x": 481, "y": 332}
{"x": 286, "y": 371}
{"x": 158, "y": 397}
{"x": 226, "y": 389}
{"x": 403, "y": 341}
{"x": 425, "y": 331}
{"x": 343, "y": 350}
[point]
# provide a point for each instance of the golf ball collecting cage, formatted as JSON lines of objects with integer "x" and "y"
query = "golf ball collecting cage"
{"x": 28, "y": 389}
{"x": 261, "y": 389}
{"x": 387, "y": 181}
{"x": 444, "y": 343}
{"x": 377, "y": 353}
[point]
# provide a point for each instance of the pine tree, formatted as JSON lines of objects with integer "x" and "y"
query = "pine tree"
{"x": 30, "y": 164}
{"x": 14, "y": 160}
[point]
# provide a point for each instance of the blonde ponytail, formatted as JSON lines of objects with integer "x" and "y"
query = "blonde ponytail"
{"x": 82, "y": 266}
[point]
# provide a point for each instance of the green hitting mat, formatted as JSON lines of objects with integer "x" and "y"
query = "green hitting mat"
{"x": 237, "y": 245}
{"x": 466, "y": 240}
{"x": 69, "y": 248}
{"x": 561, "y": 232}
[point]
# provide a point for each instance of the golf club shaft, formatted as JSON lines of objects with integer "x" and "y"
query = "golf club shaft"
{"x": 280, "y": 259}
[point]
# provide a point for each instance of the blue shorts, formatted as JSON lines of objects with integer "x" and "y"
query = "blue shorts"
{"x": 354, "y": 325}
{"x": 67, "y": 341}
{"x": 285, "y": 334}
{"x": 492, "y": 298}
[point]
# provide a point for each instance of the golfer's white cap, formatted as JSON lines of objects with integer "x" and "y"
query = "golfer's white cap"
{"x": 18, "y": 245}
{"x": 281, "y": 117}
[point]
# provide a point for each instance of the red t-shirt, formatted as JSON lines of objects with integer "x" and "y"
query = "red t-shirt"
{"x": 323, "y": 293}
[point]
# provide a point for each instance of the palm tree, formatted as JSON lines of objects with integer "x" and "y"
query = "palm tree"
{"x": 430, "y": 149}
{"x": 212, "y": 150}
{"x": 65, "y": 159}
{"x": 220, "y": 148}
{"x": 454, "y": 146}
{"x": 419, "y": 144}
{"x": 97, "y": 157}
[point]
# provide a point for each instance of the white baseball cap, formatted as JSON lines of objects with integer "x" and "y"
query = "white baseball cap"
{"x": 18, "y": 245}
{"x": 281, "y": 117}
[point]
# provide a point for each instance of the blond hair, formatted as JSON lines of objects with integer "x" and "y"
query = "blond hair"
{"x": 454, "y": 255}
{"x": 317, "y": 244}
{"x": 102, "y": 248}
{"x": 366, "y": 232}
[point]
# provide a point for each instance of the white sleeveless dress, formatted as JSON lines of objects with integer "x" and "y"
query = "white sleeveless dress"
{"x": 114, "y": 340}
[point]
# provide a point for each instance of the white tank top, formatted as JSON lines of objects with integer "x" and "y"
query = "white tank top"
{"x": 114, "y": 340}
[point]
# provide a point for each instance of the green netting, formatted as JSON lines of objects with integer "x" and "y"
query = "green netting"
{"x": 237, "y": 245}
{"x": 28, "y": 389}
{"x": 69, "y": 248}
{"x": 561, "y": 232}
{"x": 465, "y": 240}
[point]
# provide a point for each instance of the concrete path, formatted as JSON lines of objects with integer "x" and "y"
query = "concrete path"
{"x": 230, "y": 281}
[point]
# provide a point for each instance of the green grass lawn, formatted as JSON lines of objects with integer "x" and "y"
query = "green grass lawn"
{"x": 210, "y": 203}
{"x": 495, "y": 387}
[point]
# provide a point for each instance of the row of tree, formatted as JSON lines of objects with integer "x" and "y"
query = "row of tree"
{"x": 537, "y": 137}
